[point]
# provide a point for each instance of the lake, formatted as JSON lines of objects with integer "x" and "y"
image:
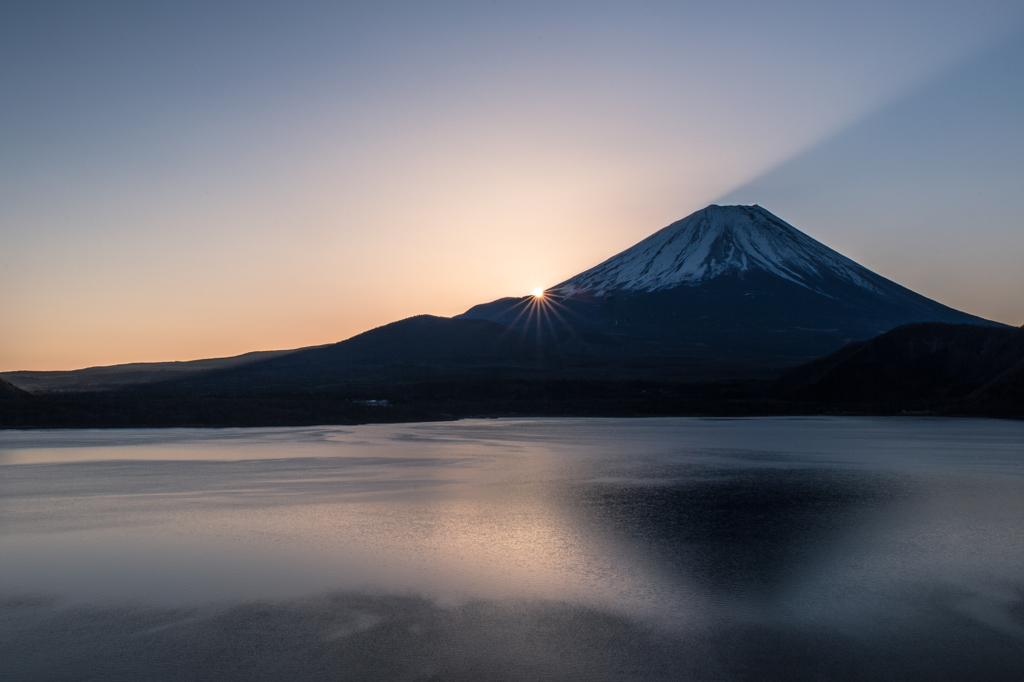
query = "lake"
{"x": 531, "y": 549}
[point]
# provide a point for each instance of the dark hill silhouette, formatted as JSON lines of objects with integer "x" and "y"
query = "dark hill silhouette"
{"x": 1003, "y": 396}
{"x": 11, "y": 393}
{"x": 15, "y": 406}
{"x": 934, "y": 368}
{"x": 924, "y": 366}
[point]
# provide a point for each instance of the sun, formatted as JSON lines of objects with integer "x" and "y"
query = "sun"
{"x": 538, "y": 293}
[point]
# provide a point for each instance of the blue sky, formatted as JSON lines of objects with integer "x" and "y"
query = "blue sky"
{"x": 184, "y": 180}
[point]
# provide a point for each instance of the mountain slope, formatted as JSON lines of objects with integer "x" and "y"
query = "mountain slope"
{"x": 416, "y": 347}
{"x": 732, "y": 285}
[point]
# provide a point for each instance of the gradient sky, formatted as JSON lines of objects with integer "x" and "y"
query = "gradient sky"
{"x": 185, "y": 180}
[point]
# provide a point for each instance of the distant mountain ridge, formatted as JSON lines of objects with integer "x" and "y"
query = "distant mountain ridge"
{"x": 110, "y": 377}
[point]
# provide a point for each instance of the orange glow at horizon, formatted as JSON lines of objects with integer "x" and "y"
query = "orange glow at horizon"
{"x": 365, "y": 165}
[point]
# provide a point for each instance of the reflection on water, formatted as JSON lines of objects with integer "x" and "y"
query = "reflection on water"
{"x": 517, "y": 549}
{"x": 746, "y": 532}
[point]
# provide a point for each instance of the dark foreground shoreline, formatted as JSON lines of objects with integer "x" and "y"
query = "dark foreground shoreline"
{"x": 445, "y": 401}
{"x": 917, "y": 369}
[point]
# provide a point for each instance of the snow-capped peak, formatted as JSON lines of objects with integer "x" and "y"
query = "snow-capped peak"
{"x": 716, "y": 241}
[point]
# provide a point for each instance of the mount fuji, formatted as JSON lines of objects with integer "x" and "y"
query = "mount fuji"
{"x": 724, "y": 290}
{"x": 722, "y": 241}
{"x": 718, "y": 313}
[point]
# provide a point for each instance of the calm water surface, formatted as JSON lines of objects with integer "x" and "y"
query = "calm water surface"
{"x": 845, "y": 548}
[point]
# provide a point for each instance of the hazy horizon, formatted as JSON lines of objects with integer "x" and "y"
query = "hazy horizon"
{"x": 195, "y": 181}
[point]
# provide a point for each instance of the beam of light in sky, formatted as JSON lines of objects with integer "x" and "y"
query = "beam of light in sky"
{"x": 190, "y": 180}
{"x": 923, "y": 189}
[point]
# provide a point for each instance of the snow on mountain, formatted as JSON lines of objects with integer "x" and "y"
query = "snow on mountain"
{"x": 727, "y": 291}
{"x": 717, "y": 241}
